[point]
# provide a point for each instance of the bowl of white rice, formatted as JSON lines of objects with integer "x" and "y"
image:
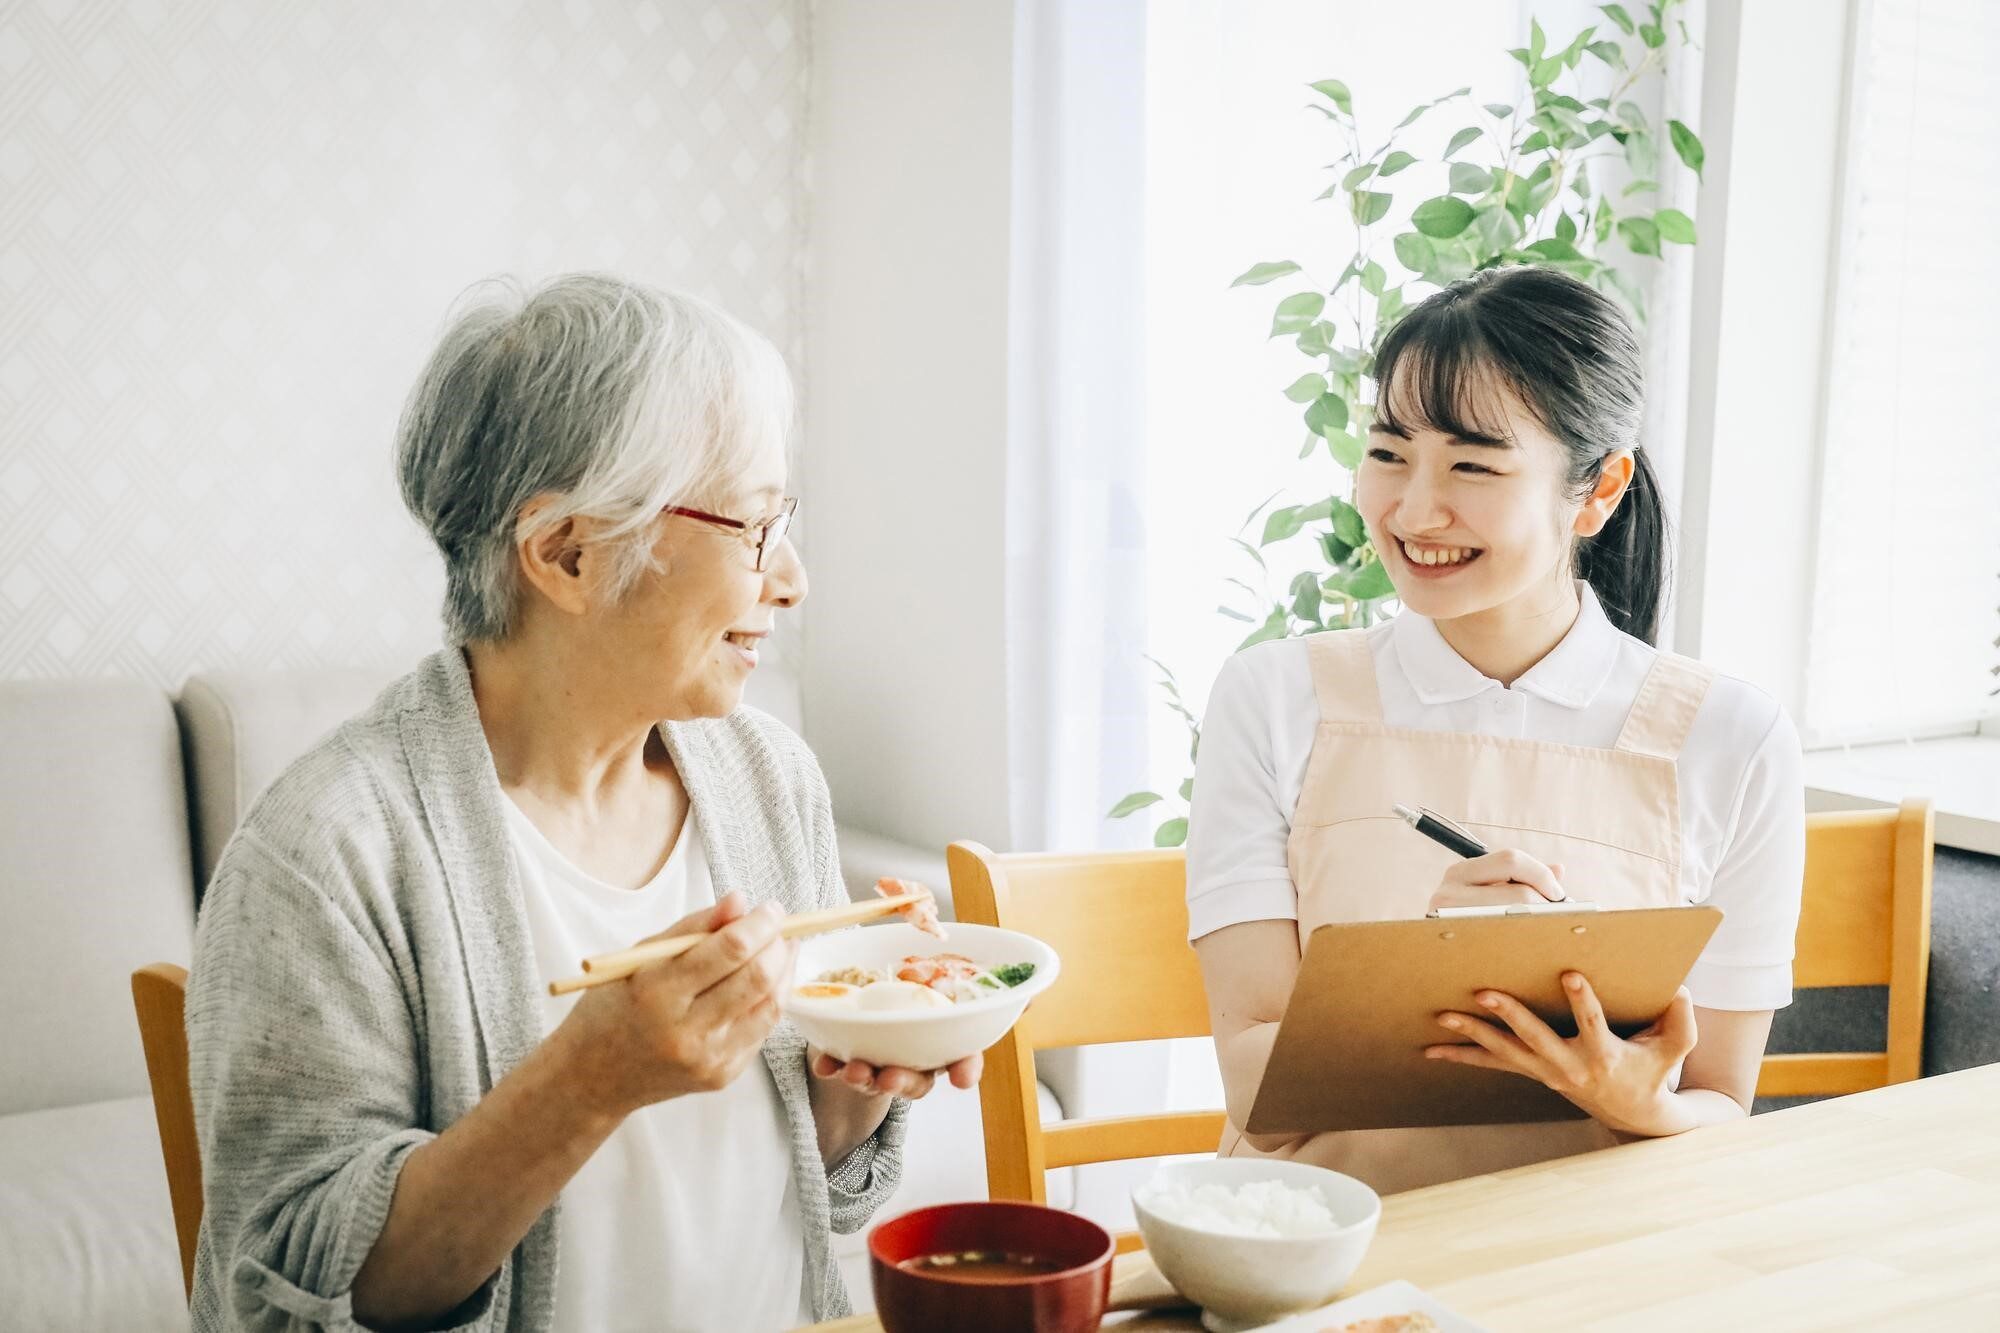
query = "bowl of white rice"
{"x": 1253, "y": 1239}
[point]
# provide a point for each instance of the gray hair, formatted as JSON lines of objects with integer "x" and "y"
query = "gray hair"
{"x": 619, "y": 399}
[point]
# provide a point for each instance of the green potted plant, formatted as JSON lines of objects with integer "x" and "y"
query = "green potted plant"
{"x": 1524, "y": 182}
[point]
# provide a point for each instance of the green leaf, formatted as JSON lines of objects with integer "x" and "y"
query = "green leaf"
{"x": 1297, "y": 312}
{"x": 1344, "y": 447}
{"x": 1369, "y": 206}
{"x": 1138, "y": 800}
{"x": 1601, "y": 225}
{"x": 1555, "y": 248}
{"x": 1305, "y": 596}
{"x": 1372, "y": 278}
{"x": 1469, "y": 179}
{"x": 1281, "y": 524}
{"x": 1641, "y": 235}
{"x": 1653, "y": 35}
{"x": 1274, "y": 627}
{"x": 1233, "y": 613}
{"x": 1641, "y": 155}
{"x": 1688, "y": 146}
{"x": 1328, "y": 413}
{"x": 1537, "y": 39}
{"x": 1306, "y": 388}
{"x": 1396, "y": 161}
{"x": 1573, "y": 53}
{"x": 1173, "y": 833}
{"x": 1353, "y": 178}
{"x": 1306, "y": 446}
{"x": 1347, "y": 524}
{"x": 1632, "y": 114}
{"x": 1544, "y": 73}
{"x": 1414, "y": 252}
{"x": 1370, "y": 582}
{"x": 1535, "y": 142}
{"x": 1566, "y": 228}
{"x": 1386, "y": 310}
{"x": 1259, "y": 274}
{"x": 1497, "y": 229}
{"x": 1316, "y": 339}
{"x": 1461, "y": 139}
{"x": 1610, "y": 53}
{"x": 1334, "y": 91}
{"x": 1443, "y": 217}
{"x": 1187, "y": 789}
{"x": 1334, "y": 549}
{"x": 1637, "y": 187}
{"x": 1617, "y": 14}
{"x": 1674, "y": 226}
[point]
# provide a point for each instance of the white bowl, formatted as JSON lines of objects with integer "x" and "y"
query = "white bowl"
{"x": 916, "y": 1039}
{"x": 1244, "y": 1281}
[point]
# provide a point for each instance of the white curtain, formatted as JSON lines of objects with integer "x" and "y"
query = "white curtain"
{"x": 1078, "y": 702}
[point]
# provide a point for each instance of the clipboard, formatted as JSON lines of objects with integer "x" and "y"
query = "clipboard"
{"x": 1349, "y": 1053}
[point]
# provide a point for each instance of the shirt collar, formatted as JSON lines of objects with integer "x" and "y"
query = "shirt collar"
{"x": 1570, "y": 676}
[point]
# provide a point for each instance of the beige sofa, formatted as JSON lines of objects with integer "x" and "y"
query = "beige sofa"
{"x": 115, "y": 802}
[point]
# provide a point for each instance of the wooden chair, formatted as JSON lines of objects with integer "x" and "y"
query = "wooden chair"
{"x": 159, "y": 994}
{"x": 1865, "y": 921}
{"x": 1119, "y": 922}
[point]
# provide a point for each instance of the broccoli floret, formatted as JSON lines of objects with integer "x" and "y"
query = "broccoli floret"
{"x": 1013, "y": 974}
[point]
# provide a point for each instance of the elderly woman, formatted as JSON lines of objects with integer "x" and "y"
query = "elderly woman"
{"x": 399, "y": 1127}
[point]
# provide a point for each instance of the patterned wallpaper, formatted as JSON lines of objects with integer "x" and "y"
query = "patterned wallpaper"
{"x": 228, "y": 231}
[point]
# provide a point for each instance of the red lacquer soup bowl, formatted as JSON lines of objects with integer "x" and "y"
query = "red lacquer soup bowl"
{"x": 990, "y": 1268}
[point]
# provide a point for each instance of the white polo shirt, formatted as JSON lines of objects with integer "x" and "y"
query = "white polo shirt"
{"x": 1741, "y": 786}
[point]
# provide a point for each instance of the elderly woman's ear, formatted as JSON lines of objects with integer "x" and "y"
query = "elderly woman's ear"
{"x": 558, "y": 561}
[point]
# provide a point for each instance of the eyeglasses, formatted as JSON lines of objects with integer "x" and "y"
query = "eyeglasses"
{"x": 768, "y": 534}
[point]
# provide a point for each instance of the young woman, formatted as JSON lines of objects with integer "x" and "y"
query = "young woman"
{"x": 1517, "y": 692}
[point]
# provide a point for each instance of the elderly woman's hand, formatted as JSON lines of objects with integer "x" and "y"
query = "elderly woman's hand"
{"x": 686, "y": 1024}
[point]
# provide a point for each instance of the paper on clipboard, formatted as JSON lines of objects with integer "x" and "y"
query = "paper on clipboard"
{"x": 1349, "y": 1052}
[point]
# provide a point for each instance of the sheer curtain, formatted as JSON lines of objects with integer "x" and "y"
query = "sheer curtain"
{"x": 1903, "y": 616}
{"x": 1077, "y": 554}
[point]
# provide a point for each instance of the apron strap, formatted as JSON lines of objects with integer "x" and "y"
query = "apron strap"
{"x": 1343, "y": 674}
{"x": 1665, "y": 708}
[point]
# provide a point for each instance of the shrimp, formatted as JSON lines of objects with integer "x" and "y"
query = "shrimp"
{"x": 922, "y": 914}
{"x": 937, "y": 971}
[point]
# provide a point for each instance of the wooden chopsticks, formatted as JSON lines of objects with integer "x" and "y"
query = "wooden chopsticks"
{"x": 607, "y": 967}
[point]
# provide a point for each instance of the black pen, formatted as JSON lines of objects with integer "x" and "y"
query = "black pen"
{"x": 1441, "y": 831}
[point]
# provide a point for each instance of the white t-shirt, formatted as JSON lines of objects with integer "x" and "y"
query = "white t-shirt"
{"x": 687, "y": 1217}
{"x": 1741, "y": 786}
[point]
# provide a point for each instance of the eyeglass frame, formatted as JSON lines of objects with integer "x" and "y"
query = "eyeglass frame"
{"x": 780, "y": 522}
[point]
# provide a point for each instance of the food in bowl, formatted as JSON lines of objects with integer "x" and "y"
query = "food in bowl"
{"x": 990, "y": 1267}
{"x": 916, "y": 982}
{"x": 887, "y": 995}
{"x": 1253, "y": 1208}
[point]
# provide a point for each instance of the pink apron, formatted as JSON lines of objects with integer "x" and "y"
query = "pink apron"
{"x": 1611, "y": 817}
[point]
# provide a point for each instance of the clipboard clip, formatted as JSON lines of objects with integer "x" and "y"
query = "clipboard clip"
{"x": 1511, "y": 909}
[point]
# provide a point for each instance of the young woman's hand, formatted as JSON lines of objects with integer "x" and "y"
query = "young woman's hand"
{"x": 1624, "y": 1083}
{"x": 1497, "y": 879}
{"x": 686, "y": 1024}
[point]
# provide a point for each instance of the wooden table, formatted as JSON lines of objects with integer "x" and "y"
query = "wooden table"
{"x": 1875, "y": 1211}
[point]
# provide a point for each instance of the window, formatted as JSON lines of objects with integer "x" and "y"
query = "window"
{"x": 1908, "y": 561}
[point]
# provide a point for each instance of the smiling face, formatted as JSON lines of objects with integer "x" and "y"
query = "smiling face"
{"x": 1472, "y": 520}
{"x": 694, "y": 626}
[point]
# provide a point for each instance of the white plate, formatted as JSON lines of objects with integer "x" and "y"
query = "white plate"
{"x": 1387, "y": 1299}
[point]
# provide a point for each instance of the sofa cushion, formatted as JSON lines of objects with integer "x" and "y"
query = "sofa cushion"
{"x": 95, "y": 881}
{"x": 242, "y": 729}
{"x": 85, "y": 1226}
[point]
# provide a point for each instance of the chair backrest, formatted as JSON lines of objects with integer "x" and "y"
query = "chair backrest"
{"x": 159, "y": 995}
{"x": 1118, "y": 920}
{"x": 1865, "y": 921}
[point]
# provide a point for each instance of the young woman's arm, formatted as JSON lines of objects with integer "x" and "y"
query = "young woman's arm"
{"x": 1248, "y": 970}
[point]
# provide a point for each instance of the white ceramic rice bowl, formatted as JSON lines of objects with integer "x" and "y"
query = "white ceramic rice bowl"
{"x": 915, "y": 1039}
{"x": 1245, "y": 1281}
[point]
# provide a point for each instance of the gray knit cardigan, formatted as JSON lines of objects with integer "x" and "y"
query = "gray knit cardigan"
{"x": 362, "y": 977}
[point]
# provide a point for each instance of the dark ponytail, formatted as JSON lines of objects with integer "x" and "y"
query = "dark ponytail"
{"x": 1568, "y": 353}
